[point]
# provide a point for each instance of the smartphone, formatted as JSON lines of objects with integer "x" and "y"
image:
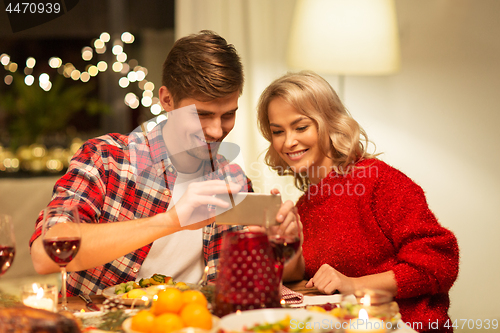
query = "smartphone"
{"x": 248, "y": 209}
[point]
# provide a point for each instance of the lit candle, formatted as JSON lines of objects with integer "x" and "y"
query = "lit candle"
{"x": 39, "y": 303}
{"x": 39, "y": 299}
{"x": 364, "y": 324}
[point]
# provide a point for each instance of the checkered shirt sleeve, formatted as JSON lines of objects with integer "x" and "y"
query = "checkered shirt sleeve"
{"x": 103, "y": 183}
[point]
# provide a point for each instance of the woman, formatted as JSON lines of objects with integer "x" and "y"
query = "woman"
{"x": 365, "y": 224}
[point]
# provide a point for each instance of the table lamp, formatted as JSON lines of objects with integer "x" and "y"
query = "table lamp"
{"x": 344, "y": 37}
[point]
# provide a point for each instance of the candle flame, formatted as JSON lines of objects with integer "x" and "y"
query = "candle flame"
{"x": 37, "y": 290}
{"x": 366, "y": 301}
{"x": 363, "y": 314}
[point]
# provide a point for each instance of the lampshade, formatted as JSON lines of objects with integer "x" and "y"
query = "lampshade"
{"x": 344, "y": 37}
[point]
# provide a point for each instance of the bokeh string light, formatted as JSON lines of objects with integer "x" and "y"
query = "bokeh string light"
{"x": 131, "y": 70}
{"x": 131, "y": 73}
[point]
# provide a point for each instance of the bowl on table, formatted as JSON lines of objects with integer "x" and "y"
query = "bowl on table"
{"x": 300, "y": 320}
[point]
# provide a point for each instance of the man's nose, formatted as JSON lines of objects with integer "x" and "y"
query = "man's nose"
{"x": 214, "y": 129}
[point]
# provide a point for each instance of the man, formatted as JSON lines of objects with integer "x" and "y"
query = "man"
{"x": 129, "y": 180}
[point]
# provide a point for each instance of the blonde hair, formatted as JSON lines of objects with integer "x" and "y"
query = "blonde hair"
{"x": 313, "y": 96}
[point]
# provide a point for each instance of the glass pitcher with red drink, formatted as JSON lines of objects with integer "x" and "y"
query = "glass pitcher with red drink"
{"x": 247, "y": 274}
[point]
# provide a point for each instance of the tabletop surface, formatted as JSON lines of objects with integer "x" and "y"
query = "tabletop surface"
{"x": 77, "y": 304}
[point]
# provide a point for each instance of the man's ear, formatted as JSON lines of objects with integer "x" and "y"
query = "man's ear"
{"x": 166, "y": 99}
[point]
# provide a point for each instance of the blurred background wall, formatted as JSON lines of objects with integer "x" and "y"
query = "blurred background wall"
{"x": 436, "y": 119}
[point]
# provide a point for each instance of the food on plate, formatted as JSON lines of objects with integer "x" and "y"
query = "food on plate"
{"x": 126, "y": 287}
{"x": 154, "y": 280}
{"x": 22, "y": 319}
{"x": 169, "y": 300}
{"x": 283, "y": 325}
{"x": 322, "y": 307}
{"x": 280, "y": 326}
{"x": 172, "y": 310}
{"x": 194, "y": 296}
{"x": 347, "y": 311}
{"x": 142, "y": 321}
{"x": 166, "y": 323}
{"x": 181, "y": 285}
{"x": 135, "y": 293}
{"x": 316, "y": 308}
{"x": 388, "y": 312}
{"x": 196, "y": 315}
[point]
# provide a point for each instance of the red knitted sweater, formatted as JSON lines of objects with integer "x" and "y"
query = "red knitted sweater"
{"x": 376, "y": 219}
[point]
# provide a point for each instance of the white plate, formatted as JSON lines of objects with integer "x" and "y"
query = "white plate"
{"x": 94, "y": 319}
{"x": 127, "y": 324}
{"x": 318, "y": 300}
{"x": 90, "y": 314}
{"x": 319, "y": 322}
{"x": 109, "y": 292}
{"x": 97, "y": 314}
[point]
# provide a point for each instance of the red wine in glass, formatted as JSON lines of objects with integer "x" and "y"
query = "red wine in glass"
{"x": 61, "y": 238}
{"x": 7, "y": 254}
{"x": 283, "y": 250}
{"x": 62, "y": 250}
{"x": 7, "y": 243}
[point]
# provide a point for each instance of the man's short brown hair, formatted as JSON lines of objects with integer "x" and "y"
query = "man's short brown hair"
{"x": 202, "y": 66}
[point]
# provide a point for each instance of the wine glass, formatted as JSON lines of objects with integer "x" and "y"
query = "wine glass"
{"x": 7, "y": 243}
{"x": 61, "y": 237}
{"x": 284, "y": 239}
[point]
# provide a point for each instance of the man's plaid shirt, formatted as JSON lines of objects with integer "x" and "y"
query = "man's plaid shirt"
{"x": 117, "y": 177}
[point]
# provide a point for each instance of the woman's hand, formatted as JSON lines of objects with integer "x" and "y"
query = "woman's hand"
{"x": 287, "y": 214}
{"x": 327, "y": 280}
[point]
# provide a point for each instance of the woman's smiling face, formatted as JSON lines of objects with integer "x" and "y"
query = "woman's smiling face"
{"x": 295, "y": 138}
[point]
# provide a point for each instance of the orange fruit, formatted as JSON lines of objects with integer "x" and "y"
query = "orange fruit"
{"x": 142, "y": 321}
{"x": 194, "y": 296}
{"x": 166, "y": 323}
{"x": 196, "y": 315}
{"x": 169, "y": 300}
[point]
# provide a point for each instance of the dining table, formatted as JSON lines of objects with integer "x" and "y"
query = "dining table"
{"x": 79, "y": 308}
{"x": 78, "y": 305}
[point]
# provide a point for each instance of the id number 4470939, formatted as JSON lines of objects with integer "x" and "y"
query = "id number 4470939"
{"x": 472, "y": 324}
{"x": 33, "y": 7}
